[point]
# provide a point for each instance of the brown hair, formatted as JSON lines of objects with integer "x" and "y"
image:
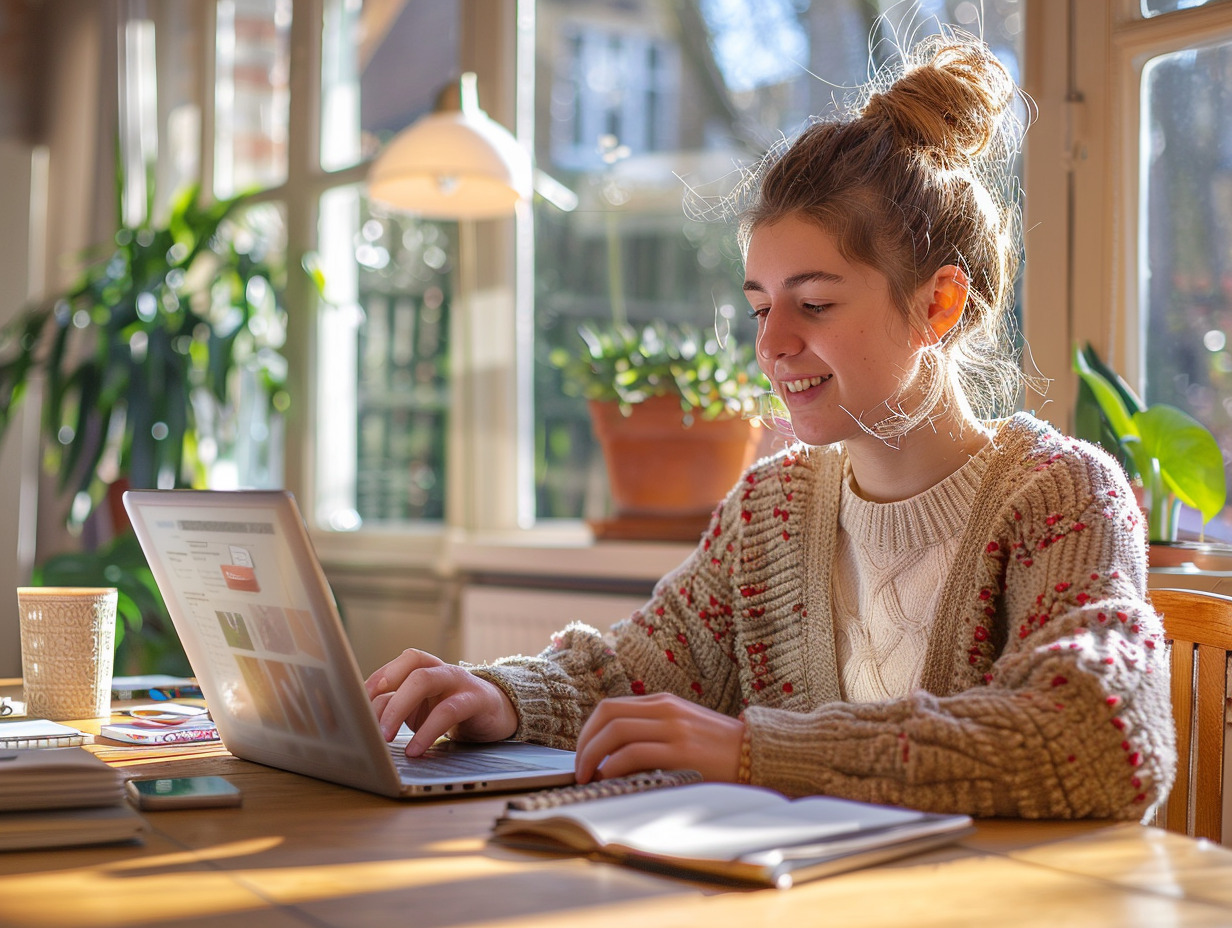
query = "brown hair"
{"x": 917, "y": 177}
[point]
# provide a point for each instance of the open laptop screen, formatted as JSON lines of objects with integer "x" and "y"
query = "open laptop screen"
{"x": 261, "y": 630}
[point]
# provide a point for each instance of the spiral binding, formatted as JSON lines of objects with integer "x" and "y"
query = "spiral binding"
{"x": 603, "y": 789}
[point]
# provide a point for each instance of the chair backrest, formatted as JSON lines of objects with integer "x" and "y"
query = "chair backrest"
{"x": 1199, "y": 625}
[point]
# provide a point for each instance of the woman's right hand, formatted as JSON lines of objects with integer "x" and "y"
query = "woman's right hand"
{"x": 434, "y": 699}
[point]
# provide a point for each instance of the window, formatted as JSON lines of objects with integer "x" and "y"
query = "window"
{"x": 635, "y": 101}
{"x": 383, "y": 383}
{"x": 251, "y": 94}
{"x": 1164, "y": 161}
{"x": 163, "y": 148}
{"x": 422, "y": 417}
{"x": 1186, "y": 249}
{"x": 1155, "y": 7}
{"x": 618, "y": 85}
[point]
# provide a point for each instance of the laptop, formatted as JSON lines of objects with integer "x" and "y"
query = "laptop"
{"x": 262, "y": 632}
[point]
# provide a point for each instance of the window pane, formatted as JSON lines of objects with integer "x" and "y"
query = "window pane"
{"x": 251, "y": 96}
{"x": 384, "y": 336}
{"x": 1155, "y": 7}
{"x": 383, "y": 65}
{"x": 242, "y": 445}
{"x": 384, "y": 349}
{"x": 1186, "y": 202}
{"x": 631, "y": 93}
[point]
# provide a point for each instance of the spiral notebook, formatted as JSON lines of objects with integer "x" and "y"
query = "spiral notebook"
{"x": 742, "y": 835}
{"x": 40, "y": 733}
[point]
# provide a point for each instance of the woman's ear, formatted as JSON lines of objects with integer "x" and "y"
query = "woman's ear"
{"x": 949, "y": 299}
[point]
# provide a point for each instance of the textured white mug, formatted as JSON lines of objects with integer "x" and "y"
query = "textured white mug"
{"x": 67, "y": 650}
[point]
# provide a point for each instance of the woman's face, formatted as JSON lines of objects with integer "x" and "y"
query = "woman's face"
{"x": 829, "y": 337}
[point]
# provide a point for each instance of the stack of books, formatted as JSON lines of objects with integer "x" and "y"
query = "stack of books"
{"x": 59, "y": 797}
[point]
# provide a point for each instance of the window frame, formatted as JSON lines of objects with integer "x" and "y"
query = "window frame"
{"x": 480, "y": 500}
{"x": 1106, "y": 211}
{"x": 1080, "y": 225}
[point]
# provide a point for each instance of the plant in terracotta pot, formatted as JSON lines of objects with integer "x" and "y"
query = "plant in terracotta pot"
{"x": 671, "y": 408}
{"x": 1169, "y": 455}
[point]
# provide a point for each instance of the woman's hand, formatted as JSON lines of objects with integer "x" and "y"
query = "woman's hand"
{"x": 632, "y": 733}
{"x": 434, "y": 699}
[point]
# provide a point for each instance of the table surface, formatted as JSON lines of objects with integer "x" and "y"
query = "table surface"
{"x": 301, "y": 852}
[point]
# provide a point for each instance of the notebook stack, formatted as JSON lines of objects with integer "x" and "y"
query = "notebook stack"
{"x": 59, "y": 797}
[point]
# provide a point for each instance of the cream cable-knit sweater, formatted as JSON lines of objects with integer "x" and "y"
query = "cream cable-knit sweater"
{"x": 1044, "y": 691}
{"x": 884, "y": 580}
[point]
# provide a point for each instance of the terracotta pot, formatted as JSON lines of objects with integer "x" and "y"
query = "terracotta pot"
{"x": 659, "y": 467}
{"x": 1195, "y": 555}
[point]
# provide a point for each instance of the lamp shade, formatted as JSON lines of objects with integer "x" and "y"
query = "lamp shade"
{"x": 456, "y": 164}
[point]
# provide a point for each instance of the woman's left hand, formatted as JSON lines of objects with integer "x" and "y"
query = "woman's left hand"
{"x": 628, "y": 734}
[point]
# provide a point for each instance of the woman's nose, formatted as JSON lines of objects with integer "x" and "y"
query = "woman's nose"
{"x": 776, "y": 338}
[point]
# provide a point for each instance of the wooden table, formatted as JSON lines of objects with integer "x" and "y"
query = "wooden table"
{"x": 301, "y": 852}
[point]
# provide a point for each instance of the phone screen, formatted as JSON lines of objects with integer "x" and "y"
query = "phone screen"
{"x": 184, "y": 792}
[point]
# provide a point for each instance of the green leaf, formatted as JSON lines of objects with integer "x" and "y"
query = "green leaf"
{"x": 1132, "y": 401}
{"x": 1107, "y": 396}
{"x": 1190, "y": 461}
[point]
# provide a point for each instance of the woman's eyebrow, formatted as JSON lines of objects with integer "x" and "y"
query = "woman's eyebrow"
{"x": 805, "y": 277}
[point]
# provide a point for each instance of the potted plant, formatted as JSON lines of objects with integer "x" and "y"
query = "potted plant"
{"x": 673, "y": 411}
{"x": 140, "y": 362}
{"x": 1169, "y": 455}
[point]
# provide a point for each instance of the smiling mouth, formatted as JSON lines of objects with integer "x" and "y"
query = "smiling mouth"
{"x": 799, "y": 386}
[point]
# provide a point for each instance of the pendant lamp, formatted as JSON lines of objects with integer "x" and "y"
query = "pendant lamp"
{"x": 453, "y": 164}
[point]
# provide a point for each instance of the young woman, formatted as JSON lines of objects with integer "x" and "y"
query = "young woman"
{"x": 914, "y": 604}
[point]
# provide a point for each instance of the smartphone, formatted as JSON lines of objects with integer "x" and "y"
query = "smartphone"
{"x": 183, "y": 793}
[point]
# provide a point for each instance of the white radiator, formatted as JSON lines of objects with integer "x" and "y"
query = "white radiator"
{"x": 500, "y": 621}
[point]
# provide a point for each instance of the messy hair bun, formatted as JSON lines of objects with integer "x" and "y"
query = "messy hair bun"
{"x": 953, "y": 105}
{"x": 918, "y": 175}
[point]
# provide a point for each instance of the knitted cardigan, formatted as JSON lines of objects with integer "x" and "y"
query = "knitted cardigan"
{"x": 1045, "y": 685}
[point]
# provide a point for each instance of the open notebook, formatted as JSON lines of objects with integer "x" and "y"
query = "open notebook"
{"x": 260, "y": 627}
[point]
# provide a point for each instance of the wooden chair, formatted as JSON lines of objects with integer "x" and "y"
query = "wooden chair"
{"x": 1199, "y": 625}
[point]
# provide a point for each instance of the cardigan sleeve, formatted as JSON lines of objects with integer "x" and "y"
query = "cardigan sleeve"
{"x": 1064, "y": 710}
{"x": 679, "y": 642}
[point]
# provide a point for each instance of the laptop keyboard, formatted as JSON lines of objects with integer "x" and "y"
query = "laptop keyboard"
{"x": 436, "y": 763}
